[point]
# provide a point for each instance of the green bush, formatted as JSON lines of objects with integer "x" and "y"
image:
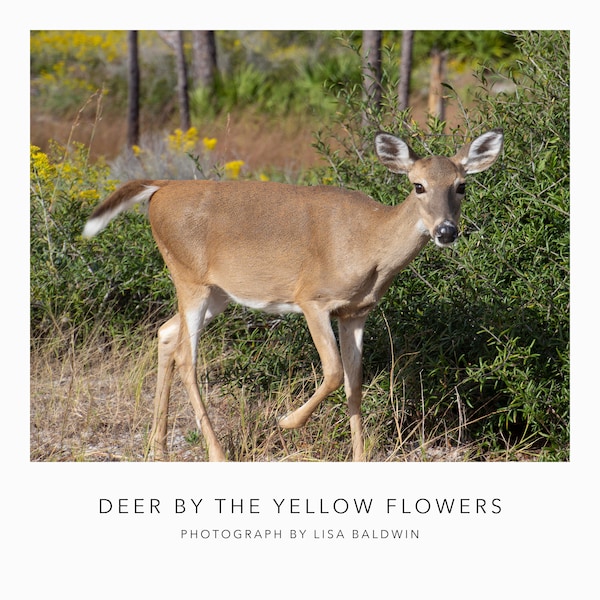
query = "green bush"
{"x": 486, "y": 325}
{"x": 117, "y": 279}
{"x": 67, "y": 66}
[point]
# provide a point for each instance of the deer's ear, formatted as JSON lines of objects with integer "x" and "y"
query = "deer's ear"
{"x": 394, "y": 153}
{"x": 481, "y": 153}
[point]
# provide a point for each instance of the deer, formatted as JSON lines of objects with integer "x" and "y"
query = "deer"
{"x": 324, "y": 251}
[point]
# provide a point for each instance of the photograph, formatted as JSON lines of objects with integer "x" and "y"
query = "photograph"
{"x": 309, "y": 295}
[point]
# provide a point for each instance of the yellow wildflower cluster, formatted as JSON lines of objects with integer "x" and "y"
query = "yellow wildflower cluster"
{"x": 232, "y": 169}
{"x": 69, "y": 60}
{"x": 209, "y": 143}
{"x": 41, "y": 167}
{"x": 80, "y": 45}
{"x": 186, "y": 141}
{"x": 72, "y": 77}
{"x": 70, "y": 173}
{"x": 180, "y": 141}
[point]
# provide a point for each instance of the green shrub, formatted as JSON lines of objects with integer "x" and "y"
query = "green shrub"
{"x": 283, "y": 89}
{"x": 486, "y": 325}
{"x": 117, "y": 278}
{"x": 67, "y": 66}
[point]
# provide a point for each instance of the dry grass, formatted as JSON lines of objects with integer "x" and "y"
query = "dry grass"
{"x": 283, "y": 145}
{"x": 95, "y": 404}
{"x": 86, "y": 404}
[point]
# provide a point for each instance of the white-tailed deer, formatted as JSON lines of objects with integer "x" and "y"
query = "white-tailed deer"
{"x": 323, "y": 251}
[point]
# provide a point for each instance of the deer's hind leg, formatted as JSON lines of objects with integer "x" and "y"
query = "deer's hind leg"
{"x": 177, "y": 345}
{"x": 168, "y": 338}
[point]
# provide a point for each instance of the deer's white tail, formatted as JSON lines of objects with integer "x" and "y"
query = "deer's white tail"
{"x": 121, "y": 200}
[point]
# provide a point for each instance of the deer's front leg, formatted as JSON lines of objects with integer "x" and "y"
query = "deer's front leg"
{"x": 351, "y": 344}
{"x": 322, "y": 334}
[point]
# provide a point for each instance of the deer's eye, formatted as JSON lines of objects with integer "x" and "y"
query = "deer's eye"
{"x": 419, "y": 189}
{"x": 461, "y": 188}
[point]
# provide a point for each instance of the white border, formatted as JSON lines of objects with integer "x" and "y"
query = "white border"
{"x": 60, "y": 546}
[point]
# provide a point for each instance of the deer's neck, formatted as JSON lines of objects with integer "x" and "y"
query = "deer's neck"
{"x": 402, "y": 236}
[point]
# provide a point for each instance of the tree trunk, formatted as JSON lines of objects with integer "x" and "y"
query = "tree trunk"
{"x": 204, "y": 57}
{"x": 436, "y": 90}
{"x": 182, "y": 84}
{"x": 371, "y": 74}
{"x": 405, "y": 70}
{"x": 174, "y": 39}
{"x": 133, "y": 109}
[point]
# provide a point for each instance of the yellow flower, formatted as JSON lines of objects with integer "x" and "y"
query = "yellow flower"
{"x": 136, "y": 150}
{"x": 89, "y": 196}
{"x": 180, "y": 141}
{"x": 191, "y": 135}
{"x": 40, "y": 164}
{"x": 232, "y": 168}
{"x": 263, "y": 177}
{"x": 209, "y": 143}
{"x": 174, "y": 140}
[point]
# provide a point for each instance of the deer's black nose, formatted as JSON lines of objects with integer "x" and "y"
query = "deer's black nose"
{"x": 445, "y": 233}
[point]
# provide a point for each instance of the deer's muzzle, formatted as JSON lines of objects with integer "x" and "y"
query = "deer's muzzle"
{"x": 445, "y": 233}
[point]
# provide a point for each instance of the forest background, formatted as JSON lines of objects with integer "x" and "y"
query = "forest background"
{"x": 467, "y": 357}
